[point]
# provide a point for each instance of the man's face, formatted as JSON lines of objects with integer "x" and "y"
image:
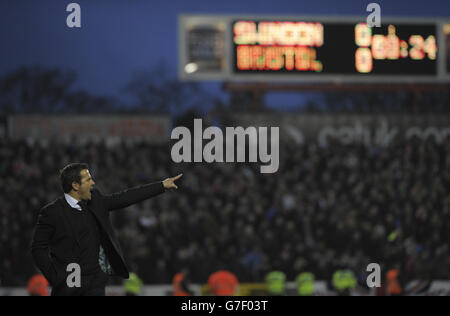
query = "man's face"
{"x": 87, "y": 184}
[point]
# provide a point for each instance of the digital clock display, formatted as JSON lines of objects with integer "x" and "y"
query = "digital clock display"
{"x": 310, "y": 47}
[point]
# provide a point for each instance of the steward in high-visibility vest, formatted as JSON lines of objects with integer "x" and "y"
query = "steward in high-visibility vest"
{"x": 393, "y": 283}
{"x": 38, "y": 286}
{"x": 179, "y": 285}
{"x": 276, "y": 282}
{"x": 344, "y": 281}
{"x": 223, "y": 283}
{"x": 133, "y": 285}
{"x": 305, "y": 284}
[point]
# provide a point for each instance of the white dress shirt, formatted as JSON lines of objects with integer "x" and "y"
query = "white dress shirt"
{"x": 72, "y": 202}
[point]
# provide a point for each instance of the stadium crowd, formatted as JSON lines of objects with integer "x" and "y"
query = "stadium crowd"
{"x": 325, "y": 208}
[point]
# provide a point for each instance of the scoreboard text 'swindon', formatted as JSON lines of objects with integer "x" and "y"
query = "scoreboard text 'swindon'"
{"x": 313, "y": 49}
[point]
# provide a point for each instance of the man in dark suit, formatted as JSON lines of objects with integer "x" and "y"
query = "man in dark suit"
{"x": 76, "y": 229}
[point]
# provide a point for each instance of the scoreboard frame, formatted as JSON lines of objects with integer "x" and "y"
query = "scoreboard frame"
{"x": 227, "y": 73}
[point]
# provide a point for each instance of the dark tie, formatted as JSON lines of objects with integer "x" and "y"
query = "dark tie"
{"x": 102, "y": 259}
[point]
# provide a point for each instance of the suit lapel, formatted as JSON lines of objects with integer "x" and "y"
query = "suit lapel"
{"x": 104, "y": 262}
{"x": 66, "y": 221}
{"x": 105, "y": 226}
{"x": 98, "y": 218}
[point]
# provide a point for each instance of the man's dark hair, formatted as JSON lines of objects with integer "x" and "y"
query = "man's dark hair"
{"x": 71, "y": 173}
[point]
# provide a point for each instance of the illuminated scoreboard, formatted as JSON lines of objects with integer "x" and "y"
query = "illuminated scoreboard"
{"x": 313, "y": 49}
{"x": 305, "y": 47}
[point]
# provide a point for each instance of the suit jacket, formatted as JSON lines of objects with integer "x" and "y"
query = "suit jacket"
{"x": 55, "y": 244}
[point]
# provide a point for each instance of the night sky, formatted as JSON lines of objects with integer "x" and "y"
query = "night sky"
{"x": 120, "y": 37}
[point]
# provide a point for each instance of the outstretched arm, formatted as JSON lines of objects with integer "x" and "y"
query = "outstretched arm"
{"x": 138, "y": 194}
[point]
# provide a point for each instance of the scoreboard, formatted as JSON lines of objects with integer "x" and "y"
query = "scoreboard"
{"x": 237, "y": 48}
{"x": 299, "y": 47}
